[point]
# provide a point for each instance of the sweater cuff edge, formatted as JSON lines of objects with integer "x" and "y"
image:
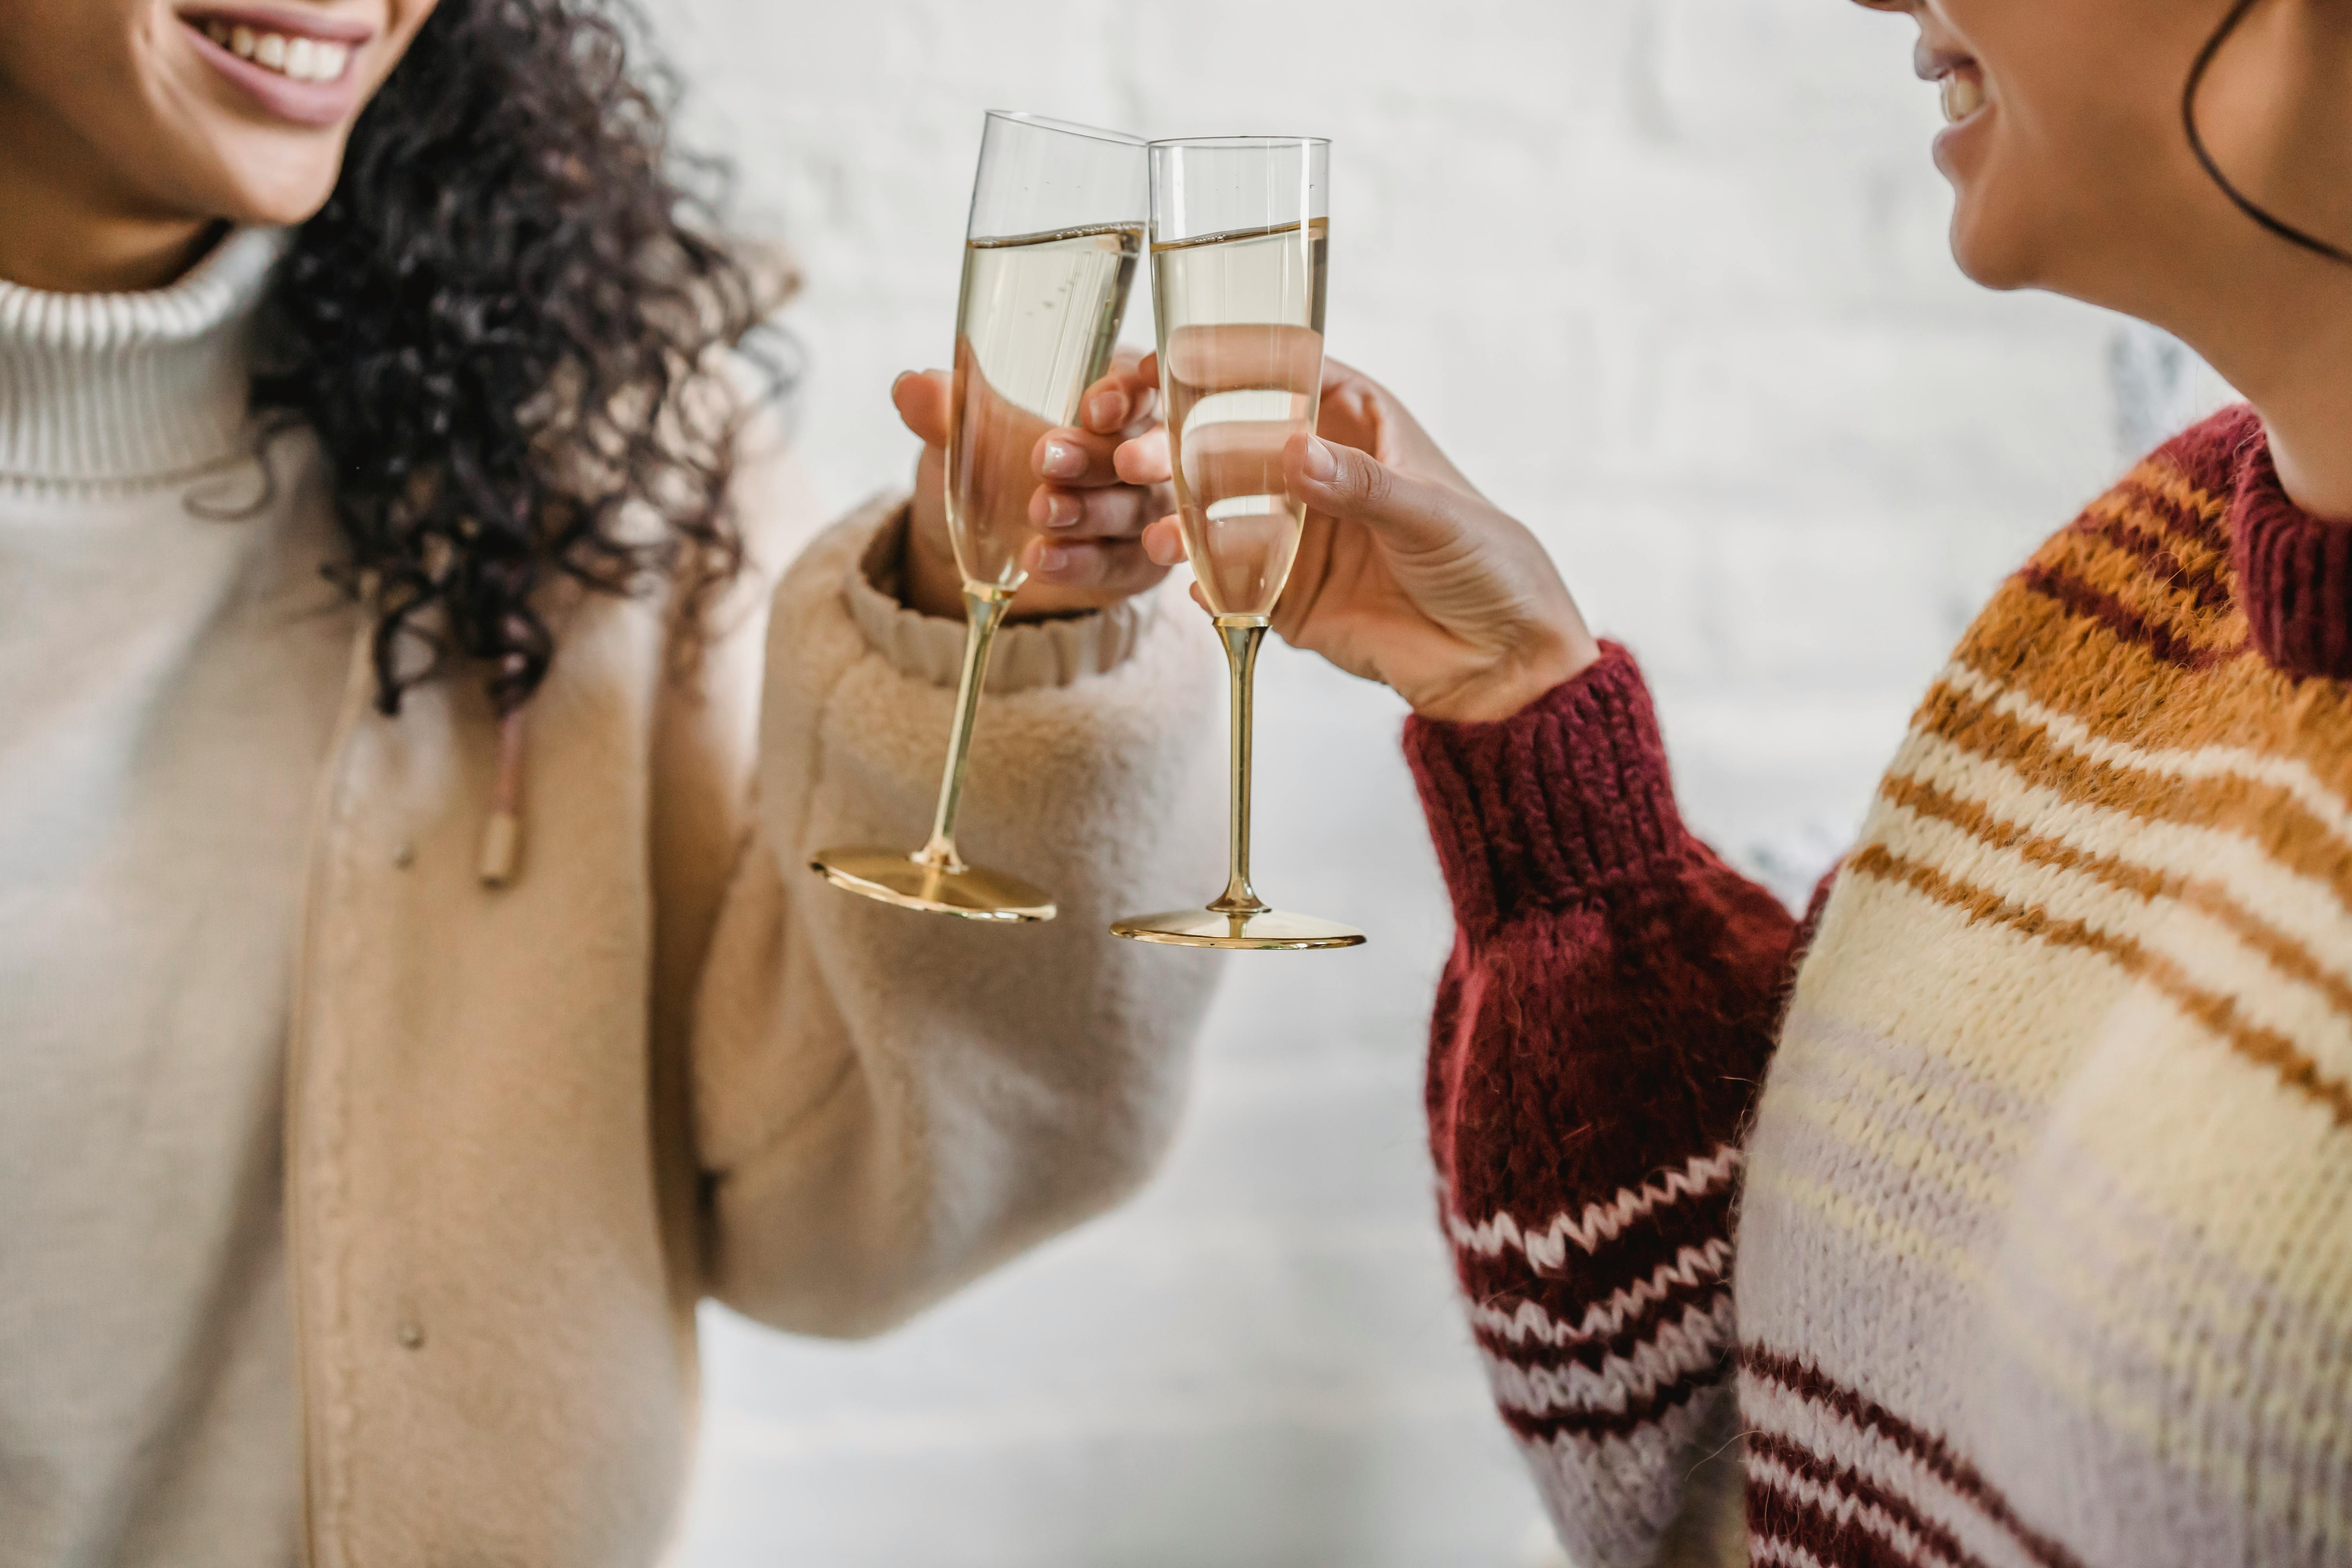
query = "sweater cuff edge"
{"x": 1569, "y": 801}
{"x": 1027, "y": 656}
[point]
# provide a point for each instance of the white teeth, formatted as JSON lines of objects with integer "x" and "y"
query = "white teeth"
{"x": 1964, "y": 94}
{"x": 302, "y": 59}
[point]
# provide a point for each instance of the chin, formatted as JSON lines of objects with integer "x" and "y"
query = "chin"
{"x": 1991, "y": 251}
{"x": 280, "y": 186}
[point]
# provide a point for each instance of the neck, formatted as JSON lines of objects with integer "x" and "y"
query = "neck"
{"x": 114, "y": 259}
{"x": 2277, "y": 319}
{"x": 2311, "y": 441}
{"x": 2284, "y": 339}
{"x": 68, "y": 228}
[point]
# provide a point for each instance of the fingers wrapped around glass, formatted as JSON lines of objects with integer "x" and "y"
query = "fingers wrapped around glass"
{"x": 1056, "y": 231}
{"x": 1240, "y": 241}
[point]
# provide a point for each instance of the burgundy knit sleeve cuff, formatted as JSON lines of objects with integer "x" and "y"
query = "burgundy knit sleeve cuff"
{"x": 1566, "y": 802}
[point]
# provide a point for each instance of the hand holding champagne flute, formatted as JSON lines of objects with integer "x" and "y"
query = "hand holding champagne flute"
{"x": 1084, "y": 551}
{"x": 1240, "y": 245}
{"x": 1056, "y": 231}
{"x": 1404, "y": 572}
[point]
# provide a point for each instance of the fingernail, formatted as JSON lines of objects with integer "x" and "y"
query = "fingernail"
{"x": 1062, "y": 511}
{"x": 1319, "y": 464}
{"x": 1052, "y": 559}
{"x": 1063, "y": 461}
{"x": 1106, "y": 410}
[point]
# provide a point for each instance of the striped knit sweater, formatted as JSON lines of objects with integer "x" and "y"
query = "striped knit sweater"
{"x": 2034, "y": 1249}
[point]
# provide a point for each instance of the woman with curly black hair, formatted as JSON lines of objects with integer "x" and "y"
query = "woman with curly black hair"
{"x": 420, "y": 685}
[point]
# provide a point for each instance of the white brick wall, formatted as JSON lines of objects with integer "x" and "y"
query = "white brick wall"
{"x": 1710, "y": 344}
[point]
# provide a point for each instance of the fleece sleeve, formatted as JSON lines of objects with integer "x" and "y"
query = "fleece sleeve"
{"x": 888, "y": 1104}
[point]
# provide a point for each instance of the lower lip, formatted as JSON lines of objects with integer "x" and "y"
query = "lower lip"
{"x": 318, "y": 104}
{"x": 1953, "y": 139}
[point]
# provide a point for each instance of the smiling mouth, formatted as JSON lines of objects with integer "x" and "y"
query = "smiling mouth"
{"x": 1963, "y": 91}
{"x": 295, "y": 49}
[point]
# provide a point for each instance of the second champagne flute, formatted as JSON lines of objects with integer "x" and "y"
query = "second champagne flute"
{"x": 1057, "y": 217}
{"x": 1240, "y": 247}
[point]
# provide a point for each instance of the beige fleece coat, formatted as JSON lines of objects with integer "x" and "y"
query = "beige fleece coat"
{"x": 529, "y": 1129}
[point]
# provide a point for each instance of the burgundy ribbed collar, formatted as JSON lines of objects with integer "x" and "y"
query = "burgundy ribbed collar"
{"x": 2295, "y": 572}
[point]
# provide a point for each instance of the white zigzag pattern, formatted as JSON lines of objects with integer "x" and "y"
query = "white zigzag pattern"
{"x": 1847, "y": 1509}
{"x": 1776, "y": 1552}
{"x": 1548, "y": 1248}
{"x": 1607, "y": 1319}
{"x": 1693, "y": 1343}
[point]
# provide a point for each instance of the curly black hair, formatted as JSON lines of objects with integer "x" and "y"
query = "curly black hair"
{"x": 503, "y": 328}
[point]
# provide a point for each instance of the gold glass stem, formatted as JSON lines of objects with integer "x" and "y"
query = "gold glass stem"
{"x": 1241, "y": 635}
{"x": 983, "y": 613}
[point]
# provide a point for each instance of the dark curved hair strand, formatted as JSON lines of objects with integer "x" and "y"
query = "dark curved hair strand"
{"x": 2197, "y": 75}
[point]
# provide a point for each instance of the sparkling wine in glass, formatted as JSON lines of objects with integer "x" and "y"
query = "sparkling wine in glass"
{"x": 1057, "y": 229}
{"x": 1240, "y": 247}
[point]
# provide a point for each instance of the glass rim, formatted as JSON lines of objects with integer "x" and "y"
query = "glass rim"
{"x": 1066, "y": 127}
{"x": 1239, "y": 141}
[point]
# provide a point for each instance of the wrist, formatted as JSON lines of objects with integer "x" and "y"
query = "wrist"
{"x": 930, "y": 582}
{"x": 1520, "y": 678}
{"x": 1568, "y": 803}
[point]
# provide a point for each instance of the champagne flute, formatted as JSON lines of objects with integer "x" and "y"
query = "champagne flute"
{"x": 1240, "y": 237}
{"x": 1057, "y": 217}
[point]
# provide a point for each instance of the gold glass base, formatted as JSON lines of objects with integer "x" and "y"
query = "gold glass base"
{"x": 895, "y": 876}
{"x": 1269, "y": 930}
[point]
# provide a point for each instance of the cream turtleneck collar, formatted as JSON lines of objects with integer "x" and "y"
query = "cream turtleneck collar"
{"x": 130, "y": 390}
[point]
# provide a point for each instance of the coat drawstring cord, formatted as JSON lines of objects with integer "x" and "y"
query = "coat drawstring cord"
{"x": 503, "y": 834}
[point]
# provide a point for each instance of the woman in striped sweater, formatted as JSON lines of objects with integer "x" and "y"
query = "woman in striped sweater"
{"x": 1999, "y": 1214}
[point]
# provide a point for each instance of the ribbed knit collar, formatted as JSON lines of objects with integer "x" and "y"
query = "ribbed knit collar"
{"x": 2295, "y": 570}
{"x": 129, "y": 389}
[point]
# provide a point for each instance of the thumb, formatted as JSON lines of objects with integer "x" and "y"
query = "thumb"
{"x": 1409, "y": 514}
{"x": 921, "y": 398}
